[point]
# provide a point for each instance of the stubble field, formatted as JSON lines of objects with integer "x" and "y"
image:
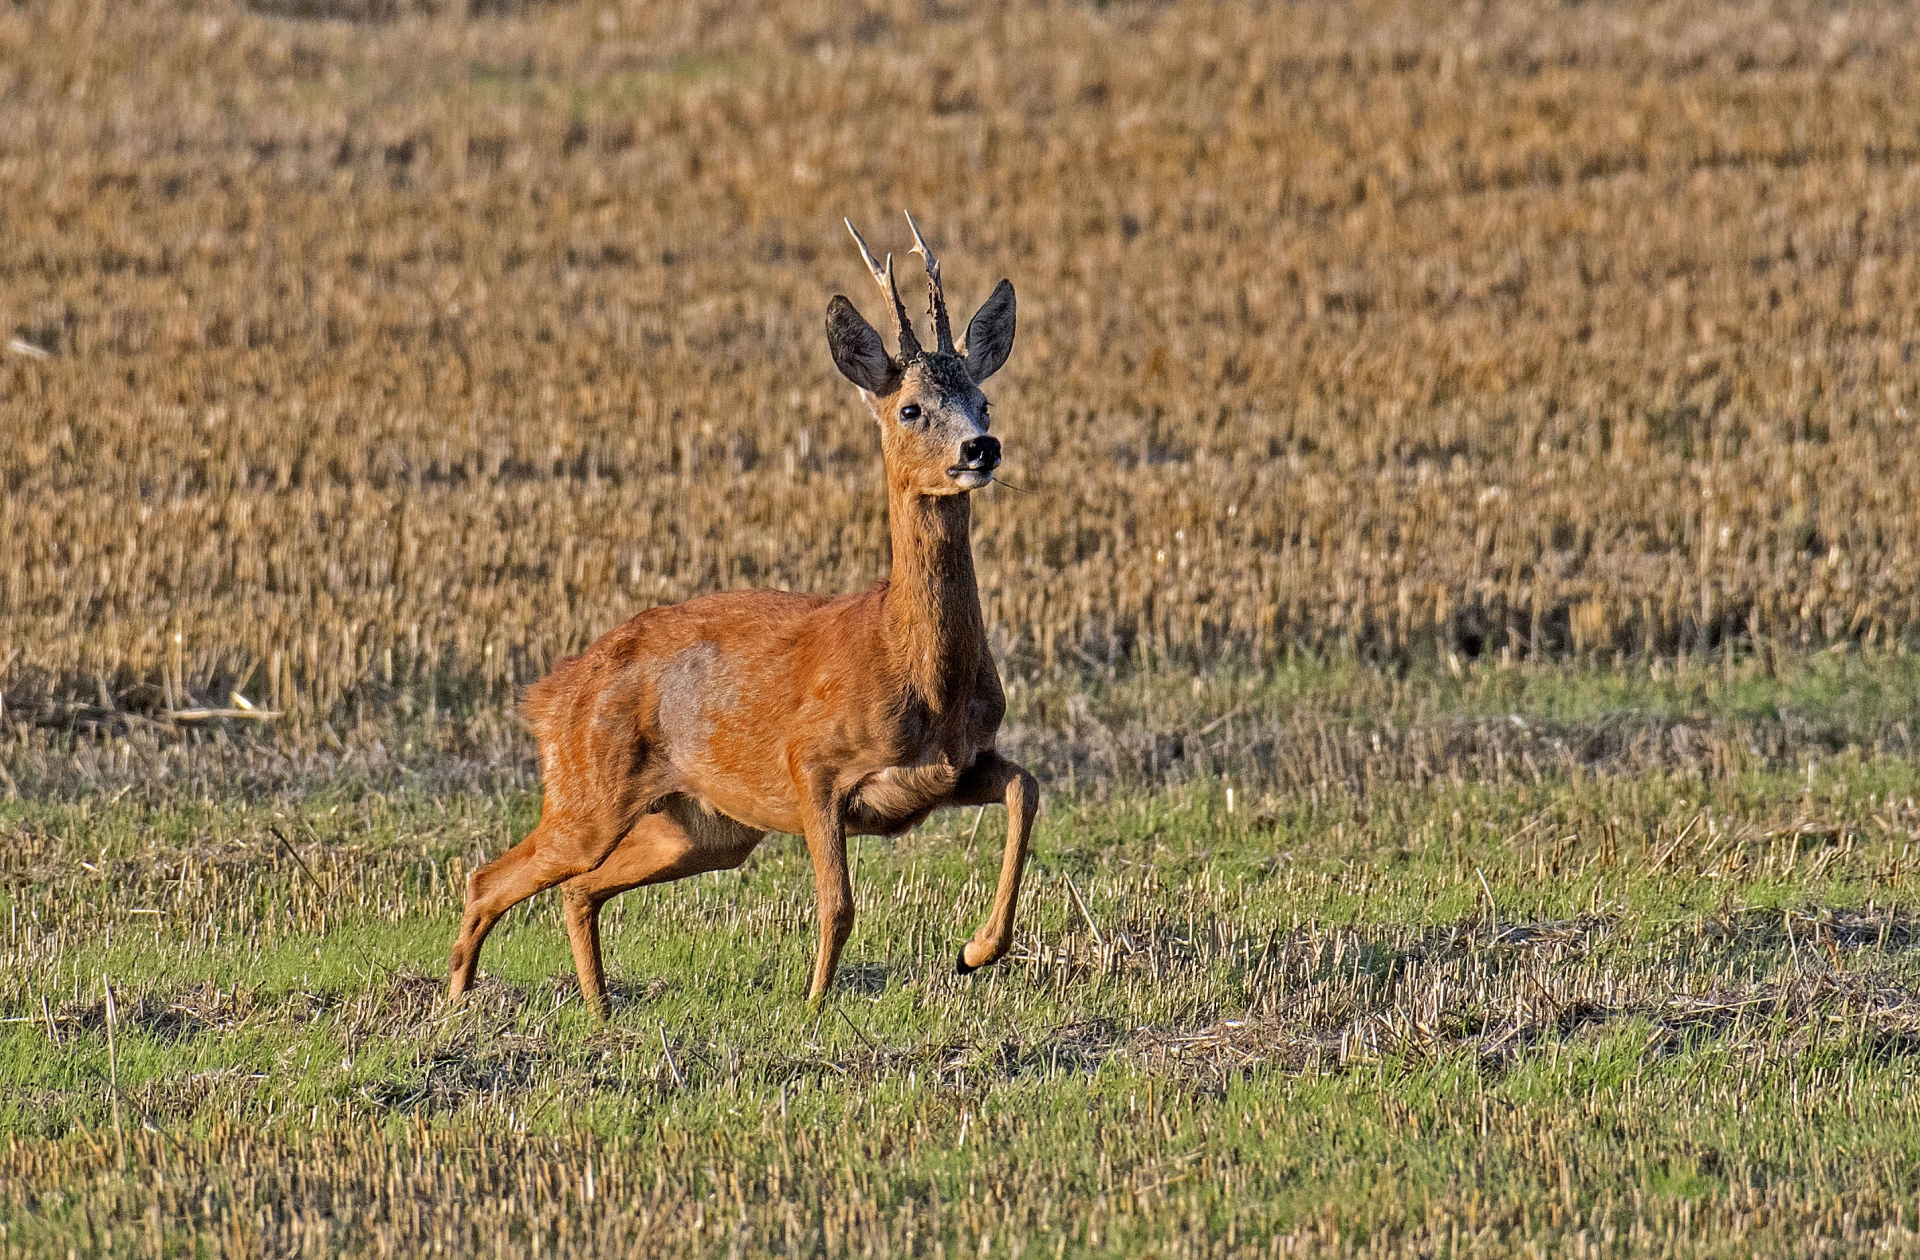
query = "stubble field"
{"x": 1478, "y": 438}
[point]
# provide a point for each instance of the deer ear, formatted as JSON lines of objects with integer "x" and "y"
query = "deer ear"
{"x": 857, "y": 350}
{"x": 990, "y": 334}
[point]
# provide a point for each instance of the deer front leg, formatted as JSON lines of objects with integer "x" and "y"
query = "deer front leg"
{"x": 827, "y": 843}
{"x": 993, "y": 778}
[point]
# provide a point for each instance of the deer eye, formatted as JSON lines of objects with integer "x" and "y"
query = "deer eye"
{"x": 909, "y": 413}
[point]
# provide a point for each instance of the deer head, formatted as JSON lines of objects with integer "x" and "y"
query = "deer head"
{"x": 933, "y": 417}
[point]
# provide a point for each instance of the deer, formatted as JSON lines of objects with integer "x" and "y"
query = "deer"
{"x": 679, "y": 740}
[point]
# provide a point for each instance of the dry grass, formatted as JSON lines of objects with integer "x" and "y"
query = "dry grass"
{"x": 432, "y": 347}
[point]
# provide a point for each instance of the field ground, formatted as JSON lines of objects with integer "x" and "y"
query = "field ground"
{"x": 1658, "y": 996}
{"x": 1480, "y": 437}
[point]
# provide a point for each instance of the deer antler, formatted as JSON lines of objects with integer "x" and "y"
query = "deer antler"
{"x": 936, "y": 297}
{"x": 883, "y": 276}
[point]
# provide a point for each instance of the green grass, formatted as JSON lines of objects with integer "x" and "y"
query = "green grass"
{"x": 1645, "y": 1004}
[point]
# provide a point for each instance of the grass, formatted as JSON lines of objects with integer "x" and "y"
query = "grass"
{"x": 1636, "y": 1008}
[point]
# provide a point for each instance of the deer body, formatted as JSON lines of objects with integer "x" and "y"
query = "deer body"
{"x": 730, "y": 699}
{"x": 676, "y": 742}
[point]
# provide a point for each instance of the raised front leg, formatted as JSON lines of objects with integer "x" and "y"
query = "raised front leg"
{"x": 833, "y": 888}
{"x": 993, "y": 778}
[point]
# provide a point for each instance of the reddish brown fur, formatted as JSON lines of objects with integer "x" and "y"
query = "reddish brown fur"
{"x": 678, "y": 740}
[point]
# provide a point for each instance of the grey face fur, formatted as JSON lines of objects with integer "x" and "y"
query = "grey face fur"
{"x": 937, "y": 412}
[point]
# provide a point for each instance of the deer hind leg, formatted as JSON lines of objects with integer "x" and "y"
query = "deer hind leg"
{"x": 583, "y": 934}
{"x": 559, "y": 848}
{"x": 681, "y": 840}
{"x": 989, "y": 779}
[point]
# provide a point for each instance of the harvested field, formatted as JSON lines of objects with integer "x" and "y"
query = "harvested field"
{"x": 429, "y": 347}
{"x": 1459, "y": 598}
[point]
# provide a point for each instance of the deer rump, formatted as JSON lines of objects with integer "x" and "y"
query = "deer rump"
{"x": 689, "y": 711}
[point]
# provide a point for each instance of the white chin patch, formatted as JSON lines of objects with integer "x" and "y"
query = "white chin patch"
{"x": 970, "y": 480}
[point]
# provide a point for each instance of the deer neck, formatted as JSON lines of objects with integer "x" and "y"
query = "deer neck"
{"x": 934, "y": 628}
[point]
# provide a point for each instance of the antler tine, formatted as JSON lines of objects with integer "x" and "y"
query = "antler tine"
{"x": 873, "y": 264}
{"x": 936, "y": 296}
{"x": 883, "y": 276}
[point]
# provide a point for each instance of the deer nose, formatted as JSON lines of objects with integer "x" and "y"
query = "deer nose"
{"x": 981, "y": 453}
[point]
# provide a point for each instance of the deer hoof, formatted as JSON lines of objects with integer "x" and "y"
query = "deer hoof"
{"x": 960, "y": 964}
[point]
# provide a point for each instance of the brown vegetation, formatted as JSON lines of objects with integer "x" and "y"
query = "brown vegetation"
{"x": 444, "y": 343}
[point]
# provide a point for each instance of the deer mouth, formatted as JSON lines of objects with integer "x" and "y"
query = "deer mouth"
{"x": 970, "y": 477}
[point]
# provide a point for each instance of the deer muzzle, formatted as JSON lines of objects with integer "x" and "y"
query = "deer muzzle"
{"x": 979, "y": 455}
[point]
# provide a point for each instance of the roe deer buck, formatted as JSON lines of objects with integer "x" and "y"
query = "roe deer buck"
{"x": 677, "y": 741}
